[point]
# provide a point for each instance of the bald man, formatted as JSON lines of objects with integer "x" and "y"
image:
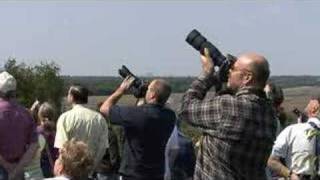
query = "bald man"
{"x": 147, "y": 129}
{"x": 297, "y": 144}
{"x": 239, "y": 128}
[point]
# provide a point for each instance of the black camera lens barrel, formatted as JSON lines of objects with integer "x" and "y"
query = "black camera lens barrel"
{"x": 199, "y": 42}
{"x": 124, "y": 72}
{"x": 195, "y": 39}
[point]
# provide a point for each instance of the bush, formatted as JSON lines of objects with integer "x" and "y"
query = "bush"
{"x": 40, "y": 82}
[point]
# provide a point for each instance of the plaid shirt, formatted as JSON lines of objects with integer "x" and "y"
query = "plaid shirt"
{"x": 238, "y": 131}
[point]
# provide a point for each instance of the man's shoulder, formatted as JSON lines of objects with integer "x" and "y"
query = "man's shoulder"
{"x": 80, "y": 111}
{"x": 294, "y": 129}
{"x": 15, "y": 107}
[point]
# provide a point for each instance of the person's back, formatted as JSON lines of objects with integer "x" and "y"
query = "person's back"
{"x": 298, "y": 145}
{"x": 18, "y": 137}
{"x": 243, "y": 138}
{"x": 146, "y": 130}
{"x": 180, "y": 157}
{"x": 82, "y": 124}
{"x": 145, "y": 140}
{"x": 85, "y": 125}
{"x": 16, "y": 126}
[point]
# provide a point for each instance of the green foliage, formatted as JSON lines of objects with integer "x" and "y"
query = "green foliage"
{"x": 40, "y": 82}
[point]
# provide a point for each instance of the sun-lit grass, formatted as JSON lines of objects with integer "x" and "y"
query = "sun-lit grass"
{"x": 294, "y": 97}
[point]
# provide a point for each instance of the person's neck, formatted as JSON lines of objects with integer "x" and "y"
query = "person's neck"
{"x": 154, "y": 103}
{"x": 77, "y": 104}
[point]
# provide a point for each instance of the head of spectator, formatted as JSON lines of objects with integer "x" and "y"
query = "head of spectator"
{"x": 78, "y": 95}
{"x": 249, "y": 70}
{"x": 275, "y": 94}
{"x": 47, "y": 116}
{"x": 158, "y": 92}
{"x": 74, "y": 161}
{"x": 34, "y": 109}
{"x": 8, "y": 85}
{"x": 313, "y": 108}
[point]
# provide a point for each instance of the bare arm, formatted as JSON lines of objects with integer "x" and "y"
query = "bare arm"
{"x": 26, "y": 158}
{"x": 275, "y": 165}
{"x": 114, "y": 98}
{"x": 6, "y": 165}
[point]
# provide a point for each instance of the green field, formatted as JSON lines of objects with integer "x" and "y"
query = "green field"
{"x": 294, "y": 97}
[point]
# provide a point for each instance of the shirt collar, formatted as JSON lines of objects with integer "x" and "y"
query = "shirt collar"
{"x": 251, "y": 90}
{"x": 314, "y": 120}
{"x": 77, "y": 106}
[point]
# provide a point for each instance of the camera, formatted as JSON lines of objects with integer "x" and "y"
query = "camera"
{"x": 199, "y": 42}
{"x": 300, "y": 115}
{"x": 138, "y": 87}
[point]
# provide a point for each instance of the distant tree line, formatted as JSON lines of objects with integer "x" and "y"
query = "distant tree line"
{"x": 43, "y": 81}
{"x": 105, "y": 85}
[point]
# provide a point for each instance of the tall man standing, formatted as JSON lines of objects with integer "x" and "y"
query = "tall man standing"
{"x": 82, "y": 124}
{"x": 238, "y": 129}
{"x": 147, "y": 129}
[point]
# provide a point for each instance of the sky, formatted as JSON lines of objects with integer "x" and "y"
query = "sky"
{"x": 94, "y": 38}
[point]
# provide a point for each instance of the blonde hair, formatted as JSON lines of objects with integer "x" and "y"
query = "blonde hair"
{"x": 47, "y": 116}
{"x": 76, "y": 159}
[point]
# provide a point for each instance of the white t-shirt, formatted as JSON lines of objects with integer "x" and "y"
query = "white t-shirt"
{"x": 296, "y": 145}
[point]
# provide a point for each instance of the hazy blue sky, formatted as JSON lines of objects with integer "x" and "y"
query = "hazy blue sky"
{"x": 96, "y": 38}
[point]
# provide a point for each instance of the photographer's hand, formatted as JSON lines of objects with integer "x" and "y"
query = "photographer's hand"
{"x": 126, "y": 84}
{"x": 207, "y": 62}
{"x": 114, "y": 98}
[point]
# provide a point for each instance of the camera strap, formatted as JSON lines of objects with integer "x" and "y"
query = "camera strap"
{"x": 317, "y": 145}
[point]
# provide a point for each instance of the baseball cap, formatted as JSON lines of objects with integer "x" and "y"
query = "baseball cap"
{"x": 7, "y": 82}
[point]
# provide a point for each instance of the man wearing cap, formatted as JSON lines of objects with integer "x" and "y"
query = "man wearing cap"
{"x": 18, "y": 137}
{"x": 298, "y": 144}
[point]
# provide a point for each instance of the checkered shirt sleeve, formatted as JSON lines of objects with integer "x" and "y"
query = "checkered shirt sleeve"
{"x": 238, "y": 131}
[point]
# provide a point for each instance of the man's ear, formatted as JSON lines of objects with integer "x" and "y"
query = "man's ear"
{"x": 313, "y": 108}
{"x": 71, "y": 99}
{"x": 248, "y": 77}
{"x": 153, "y": 96}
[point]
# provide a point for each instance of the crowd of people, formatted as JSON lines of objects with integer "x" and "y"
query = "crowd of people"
{"x": 243, "y": 135}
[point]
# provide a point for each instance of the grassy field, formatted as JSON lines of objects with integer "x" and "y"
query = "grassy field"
{"x": 294, "y": 97}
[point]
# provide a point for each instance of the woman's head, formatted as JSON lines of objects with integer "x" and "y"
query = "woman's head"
{"x": 74, "y": 161}
{"x": 47, "y": 115}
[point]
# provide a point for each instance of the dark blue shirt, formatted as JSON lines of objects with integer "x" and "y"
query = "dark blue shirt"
{"x": 147, "y": 129}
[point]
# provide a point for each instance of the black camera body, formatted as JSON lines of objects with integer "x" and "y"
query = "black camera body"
{"x": 199, "y": 42}
{"x": 138, "y": 87}
{"x": 302, "y": 115}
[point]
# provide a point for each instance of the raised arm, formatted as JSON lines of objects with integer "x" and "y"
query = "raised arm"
{"x": 114, "y": 98}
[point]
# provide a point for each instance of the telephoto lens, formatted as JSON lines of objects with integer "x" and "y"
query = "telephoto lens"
{"x": 199, "y": 42}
